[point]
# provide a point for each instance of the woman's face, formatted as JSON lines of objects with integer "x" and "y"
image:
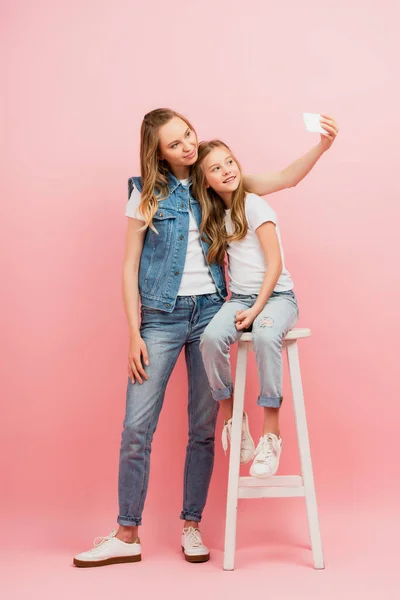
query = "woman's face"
{"x": 177, "y": 143}
{"x": 221, "y": 171}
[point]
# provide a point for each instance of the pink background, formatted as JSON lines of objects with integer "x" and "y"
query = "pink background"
{"x": 77, "y": 78}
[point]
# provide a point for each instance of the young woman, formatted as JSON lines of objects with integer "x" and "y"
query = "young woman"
{"x": 243, "y": 225}
{"x": 180, "y": 291}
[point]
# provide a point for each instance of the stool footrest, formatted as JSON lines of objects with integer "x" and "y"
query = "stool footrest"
{"x": 280, "y": 486}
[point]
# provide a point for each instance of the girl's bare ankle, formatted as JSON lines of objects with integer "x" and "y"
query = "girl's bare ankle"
{"x": 272, "y": 430}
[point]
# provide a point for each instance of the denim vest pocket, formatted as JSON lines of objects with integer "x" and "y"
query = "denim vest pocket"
{"x": 163, "y": 221}
{"x": 159, "y": 248}
{"x": 163, "y": 214}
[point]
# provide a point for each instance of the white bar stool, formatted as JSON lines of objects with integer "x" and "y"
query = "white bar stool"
{"x": 286, "y": 486}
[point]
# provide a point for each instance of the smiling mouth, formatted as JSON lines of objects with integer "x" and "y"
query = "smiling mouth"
{"x": 230, "y": 179}
{"x": 191, "y": 154}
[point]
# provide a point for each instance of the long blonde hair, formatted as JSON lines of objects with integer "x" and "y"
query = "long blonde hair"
{"x": 212, "y": 227}
{"x": 154, "y": 170}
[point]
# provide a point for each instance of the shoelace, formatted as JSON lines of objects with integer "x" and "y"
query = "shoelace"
{"x": 227, "y": 433}
{"x": 266, "y": 448}
{"x": 193, "y": 537}
{"x": 100, "y": 540}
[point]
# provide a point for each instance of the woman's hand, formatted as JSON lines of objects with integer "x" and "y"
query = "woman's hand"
{"x": 137, "y": 356}
{"x": 332, "y": 130}
{"x": 244, "y": 318}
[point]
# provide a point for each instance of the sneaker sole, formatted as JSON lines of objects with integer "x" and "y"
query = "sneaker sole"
{"x": 196, "y": 558}
{"x": 107, "y": 561}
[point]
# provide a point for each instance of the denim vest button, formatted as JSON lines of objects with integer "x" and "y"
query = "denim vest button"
{"x": 160, "y": 214}
{"x": 167, "y": 305}
{"x": 182, "y": 205}
{"x": 182, "y": 237}
{"x": 176, "y": 272}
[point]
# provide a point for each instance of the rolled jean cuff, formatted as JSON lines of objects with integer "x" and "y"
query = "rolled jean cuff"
{"x": 268, "y": 402}
{"x": 188, "y": 516}
{"x": 222, "y": 394}
{"x": 129, "y": 521}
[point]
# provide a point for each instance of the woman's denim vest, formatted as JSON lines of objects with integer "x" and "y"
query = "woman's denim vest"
{"x": 164, "y": 254}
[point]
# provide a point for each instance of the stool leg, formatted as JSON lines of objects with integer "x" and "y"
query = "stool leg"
{"x": 305, "y": 454}
{"x": 234, "y": 459}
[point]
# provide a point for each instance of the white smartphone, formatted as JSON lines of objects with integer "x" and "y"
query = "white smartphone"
{"x": 312, "y": 121}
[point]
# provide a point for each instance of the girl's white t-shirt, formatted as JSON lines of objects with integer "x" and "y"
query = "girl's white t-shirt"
{"x": 196, "y": 277}
{"x": 247, "y": 266}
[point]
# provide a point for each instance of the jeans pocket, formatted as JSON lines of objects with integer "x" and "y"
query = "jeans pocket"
{"x": 149, "y": 309}
{"x": 148, "y": 313}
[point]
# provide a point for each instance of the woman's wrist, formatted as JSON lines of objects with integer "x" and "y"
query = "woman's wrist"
{"x": 134, "y": 332}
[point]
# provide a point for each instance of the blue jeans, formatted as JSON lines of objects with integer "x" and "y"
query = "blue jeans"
{"x": 279, "y": 315}
{"x": 165, "y": 335}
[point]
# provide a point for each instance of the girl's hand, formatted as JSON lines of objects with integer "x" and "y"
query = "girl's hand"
{"x": 244, "y": 318}
{"x": 332, "y": 130}
{"x": 137, "y": 356}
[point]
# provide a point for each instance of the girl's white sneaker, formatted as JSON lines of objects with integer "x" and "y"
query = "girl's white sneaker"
{"x": 109, "y": 550}
{"x": 267, "y": 454}
{"x": 247, "y": 443}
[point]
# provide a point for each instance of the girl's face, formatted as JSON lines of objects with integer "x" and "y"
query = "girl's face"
{"x": 177, "y": 143}
{"x": 221, "y": 171}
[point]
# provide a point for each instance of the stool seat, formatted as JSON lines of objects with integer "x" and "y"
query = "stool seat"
{"x": 294, "y": 334}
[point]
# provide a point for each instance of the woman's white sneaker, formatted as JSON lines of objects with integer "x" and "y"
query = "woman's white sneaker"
{"x": 193, "y": 547}
{"x": 267, "y": 454}
{"x": 109, "y": 550}
{"x": 247, "y": 443}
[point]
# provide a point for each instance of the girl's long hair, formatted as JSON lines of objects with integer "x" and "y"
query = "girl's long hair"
{"x": 154, "y": 170}
{"x": 212, "y": 227}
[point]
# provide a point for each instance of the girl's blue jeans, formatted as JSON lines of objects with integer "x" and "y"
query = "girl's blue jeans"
{"x": 278, "y": 317}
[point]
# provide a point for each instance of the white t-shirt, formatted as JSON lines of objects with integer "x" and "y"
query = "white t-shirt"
{"x": 196, "y": 277}
{"x": 247, "y": 265}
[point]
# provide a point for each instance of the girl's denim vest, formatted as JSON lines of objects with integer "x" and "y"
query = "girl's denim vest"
{"x": 164, "y": 254}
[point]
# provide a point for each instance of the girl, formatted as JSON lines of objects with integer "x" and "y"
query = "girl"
{"x": 180, "y": 290}
{"x": 244, "y": 226}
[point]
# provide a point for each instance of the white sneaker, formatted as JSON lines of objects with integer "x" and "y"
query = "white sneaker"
{"x": 109, "y": 550}
{"x": 193, "y": 547}
{"x": 266, "y": 459}
{"x": 247, "y": 443}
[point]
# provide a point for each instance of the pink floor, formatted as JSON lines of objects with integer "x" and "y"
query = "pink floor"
{"x": 272, "y": 560}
